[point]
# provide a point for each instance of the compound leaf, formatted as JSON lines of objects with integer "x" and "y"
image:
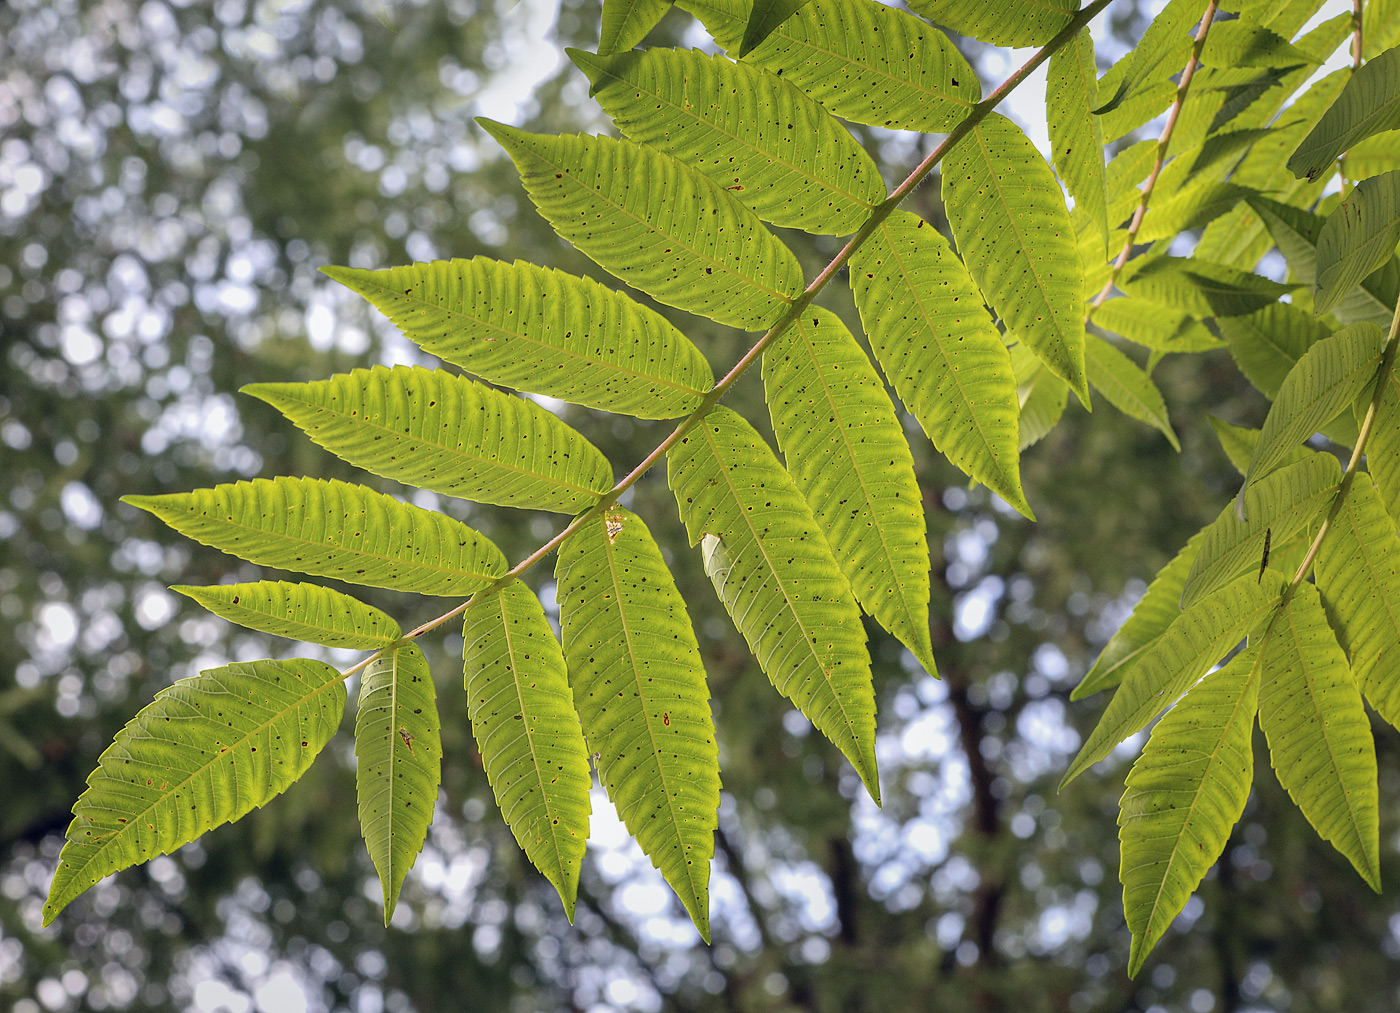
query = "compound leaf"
{"x": 203, "y": 753}
{"x": 333, "y": 529}
{"x": 398, "y": 753}
{"x": 847, "y": 453}
{"x": 522, "y": 715}
{"x": 636, "y": 673}
{"x": 1357, "y": 239}
{"x": 775, "y": 573}
{"x": 428, "y": 428}
{"x": 305, "y": 612}
{"x": 542, "y": 331}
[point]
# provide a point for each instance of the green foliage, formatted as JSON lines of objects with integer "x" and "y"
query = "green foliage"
{"x": 980, "y": 347}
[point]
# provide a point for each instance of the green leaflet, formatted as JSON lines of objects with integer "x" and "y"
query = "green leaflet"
{"x": 1001, "y": 22}
{"x": 1297, "y": 233}
{"x": 1239, "y": 442}
{"x": 1155, "y": 611}
{"x": 1237, "y": 239}
{"x": 1041, "y": 394}
{"x": 1319, "y": 737}
{"x": 1139, "y": 86}
{"x": 1374, "y": 155}
{"x": 1383, "y": 448}
{"x": 776, "y": 575}
{"x": 1124, "y": 172}
{"x": 1008, "y": 216}
{"x": 681, "y": 238}
{"x": 1357, "y": 238}
{"x": 764, "y": 20}
{"x": 427, "y": 428}
{"x": 1127, "y": 387}
{"x": 522, "y": 715}
{"x": 1380, "y": 27}
{"x": 305, "y": 612}
{"x": 1199, "y": 286}
{"x": 846, "y": 451}
{"x": 333, "y": 529}
{"x": 1240, "y": 44}
{"x": 1184, "y": 793}
{"x": 1076, "y": 141}
{"x": 626, "y": 22}
{"x": 1326, "y": 380}
{"x": 757, "y": 135}
{"x": 1196, "y": 640}
{"x": 398, "y": 755}
{"x": 204, "y": 752}
{"x": 542, "y": 331}
{"x": 1368, "y": 104}
{"x": 837, "y": 52}
{"x": 1154, "y": 326}
{"x": 636, "y": 673}
{"x": 1268, "y": 343}
{"x": 1279, "y": 505}
{"x": 1191, "y": 208}
{"x": 940, "y": 350}
{"x": 1358, "y": 575}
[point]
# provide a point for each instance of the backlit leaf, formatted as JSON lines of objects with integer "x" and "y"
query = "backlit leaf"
{"x": 1041, "y": 394}
{"x": 775, "y": 573}
{"x": 333, "y": 529}
{"x": 1358, "y": 238}
{"x": 847, "y": 452}
{"x": 1183, "y": 796}
{"x": 837, "y": 52}
{"x": 637, "y": 678}
{"x": 1383, "y": 448}
{"x": 522, "y": 715}
{"x": 626, "y": 22}
{"x": 764, "y": 19}
{"x": 427, "y": 428}
{"x": 940, "y": 350}
{"x": 1076, "y": 140}
{"x": 681, "y": 238}
{"x": 1196, "y": 640}
{"x": 1368, "y": 104}
{"x": 305, "y": 612}
{"x": 398, "y": 754}
{"x": 757, "y": 135}
{"x": 1319, "y": 737}
{"x": 1358, "y": 575}
{"x": 1008, "y": 216}
{"x": 1127, "y": 387}
{"x": 204, "y": 752}
{"x": 541, "y": 331}
{"x": 1200, "y": 287}
{"x": 1154, "y": 326}
{"x": 1000, "y": 22}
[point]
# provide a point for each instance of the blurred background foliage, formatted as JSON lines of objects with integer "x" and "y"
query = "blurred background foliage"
{"x": 171, "y": 176}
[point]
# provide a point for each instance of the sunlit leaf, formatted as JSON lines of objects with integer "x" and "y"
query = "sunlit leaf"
{"x": 1200, "y": 287}
{"x": 637, "y": 678}
{"x": 427, "y": 428}
{"x": 1358, "y": 238}
{"x": 682, "y": 238}
{"x": 1368, "y": 104}
{"x": 523, "y": 718}
{"x": 541, "y": 331}
{"x": 1000, "y": 22}
{"x": 775, "y": 573}
{"x": 626, "y": 22}
{"x": 1183, "y": 796}
{"x": 1076, "y": 140}
{"x": 305, "y": 612}
{"x": 1319, "y": 737}
{"x": 1127, "y": 387}
{"x": 940, "y": 350}
{"x": 757, "y": 135}
{"x": 399, "y": 763}
{"x": 1008, "y": 216}
{"x": 847, "y": 452}
{"x": 333, "y": 529}
{"x": 204, "y": 752}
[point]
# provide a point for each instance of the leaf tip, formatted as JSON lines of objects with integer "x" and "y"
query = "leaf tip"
{"x": 1138, "y": 953}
